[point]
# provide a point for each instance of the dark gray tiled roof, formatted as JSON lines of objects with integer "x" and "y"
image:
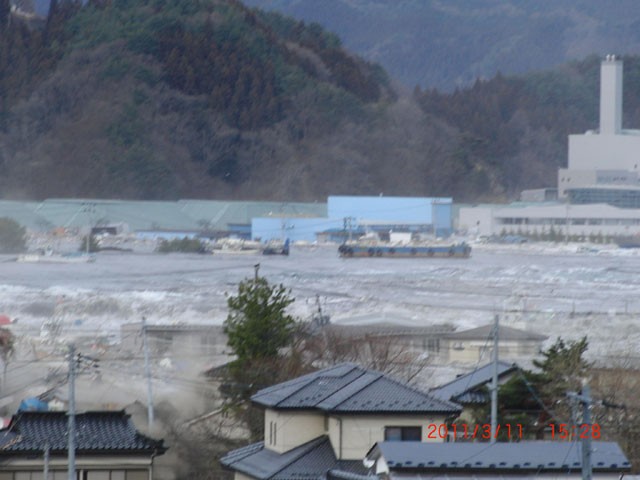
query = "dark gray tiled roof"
{"x": 529, "y": 455}
{"x": 350, "y": 388}
{"x": 95, "y": 432}
{"x": 310, "y": 461}
{"x": 466, "y": 383}
{"x": 504, "y": 333}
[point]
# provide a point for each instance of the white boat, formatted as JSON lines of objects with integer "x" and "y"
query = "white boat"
{"x": 231, "y": 246}
{"x": 56, "y": 258}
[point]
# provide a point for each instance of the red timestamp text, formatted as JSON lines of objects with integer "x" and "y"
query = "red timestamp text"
{"x": 563, "y": 430}
{"x": 465, "y": 431}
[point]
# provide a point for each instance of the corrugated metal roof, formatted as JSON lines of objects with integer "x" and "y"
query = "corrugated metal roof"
{"x": 219, "y": 215}
{"x": 464, "y": 384}
{"x": 95, "y": 432}
{"x": 527, "y": 455}
{"x": 350, "y": 388}
{"x": 183, "y": 215}
{"x": 24, "y": 213}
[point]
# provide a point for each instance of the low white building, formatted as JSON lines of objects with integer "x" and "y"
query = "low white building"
{"x": 564, "y": 219}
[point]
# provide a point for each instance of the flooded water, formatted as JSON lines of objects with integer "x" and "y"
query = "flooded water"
{"x": 552, "y": 293}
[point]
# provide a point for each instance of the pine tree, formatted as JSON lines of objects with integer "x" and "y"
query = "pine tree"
{"x": 258, "y": 330}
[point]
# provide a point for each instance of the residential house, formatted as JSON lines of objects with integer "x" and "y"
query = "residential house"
{"x": 472, "y": 346}
{"x": 327, "y": 421}
{"x": 471, "y": 389}
{"x": 405, "y": 333}
{"x": 108, "y": 447}
{"x": 526, "y": 459}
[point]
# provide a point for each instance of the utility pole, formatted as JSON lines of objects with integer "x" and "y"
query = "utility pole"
{"x": 72, "y": 414}
{"x": 494, "y": 382}
{"x": 148, "y": 371}
{"x": 45, "y": 473}
{"x": 586, "y": 401}
{"x": 566, "y": 221}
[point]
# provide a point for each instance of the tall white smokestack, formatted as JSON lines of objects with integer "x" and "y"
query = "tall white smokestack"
{"x": 610, "y": 96}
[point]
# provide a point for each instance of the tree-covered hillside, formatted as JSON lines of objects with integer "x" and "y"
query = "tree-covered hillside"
{"x": 448, "y": 44}
{"x": 166, "y": 99}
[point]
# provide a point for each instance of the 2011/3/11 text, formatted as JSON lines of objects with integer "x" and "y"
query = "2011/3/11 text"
{"x": 470, "y": 431}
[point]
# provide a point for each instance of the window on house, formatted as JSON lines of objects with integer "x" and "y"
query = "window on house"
{"x": 403, "y": 434}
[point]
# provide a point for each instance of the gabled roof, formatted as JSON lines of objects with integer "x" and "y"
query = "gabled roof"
{"x": 310, "y": 461}
{"x": 461, "y": 389}
{"x": 504, "y": 333}
{"x": 95, "y": 432}
{"x": 527, "y": 455}
{"x": 349, "y": 388}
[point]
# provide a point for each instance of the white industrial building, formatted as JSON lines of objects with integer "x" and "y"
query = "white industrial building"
{"x": 564, "y": 219}
{"x": 600, "y": 186}
{"x": 609, "y": 156}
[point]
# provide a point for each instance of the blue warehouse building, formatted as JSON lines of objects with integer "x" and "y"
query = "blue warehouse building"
{"x": 359, "y": 215}
{"x": 295, "y": 229}
{"x": 420, "y": 214}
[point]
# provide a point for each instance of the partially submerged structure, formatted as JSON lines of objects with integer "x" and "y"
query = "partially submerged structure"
{"x": 471, "y": 346}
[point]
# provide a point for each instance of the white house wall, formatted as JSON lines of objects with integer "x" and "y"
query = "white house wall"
{"x": 284, "y": 430}
{"x": 469, "y": 351}
{"x": 359, "y": 433}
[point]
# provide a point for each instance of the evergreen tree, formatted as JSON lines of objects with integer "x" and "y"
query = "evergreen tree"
{"x": 260, "y": 333}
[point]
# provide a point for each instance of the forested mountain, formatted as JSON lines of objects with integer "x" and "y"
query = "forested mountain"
{"x": 446, "y": 44}
{"x": 165, "y": 99}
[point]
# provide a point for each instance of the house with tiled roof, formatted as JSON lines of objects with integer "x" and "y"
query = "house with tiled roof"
{"x": 322, "y": 425}
{"x": 472, "y": 460}
{"x": 108, "y": 447}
